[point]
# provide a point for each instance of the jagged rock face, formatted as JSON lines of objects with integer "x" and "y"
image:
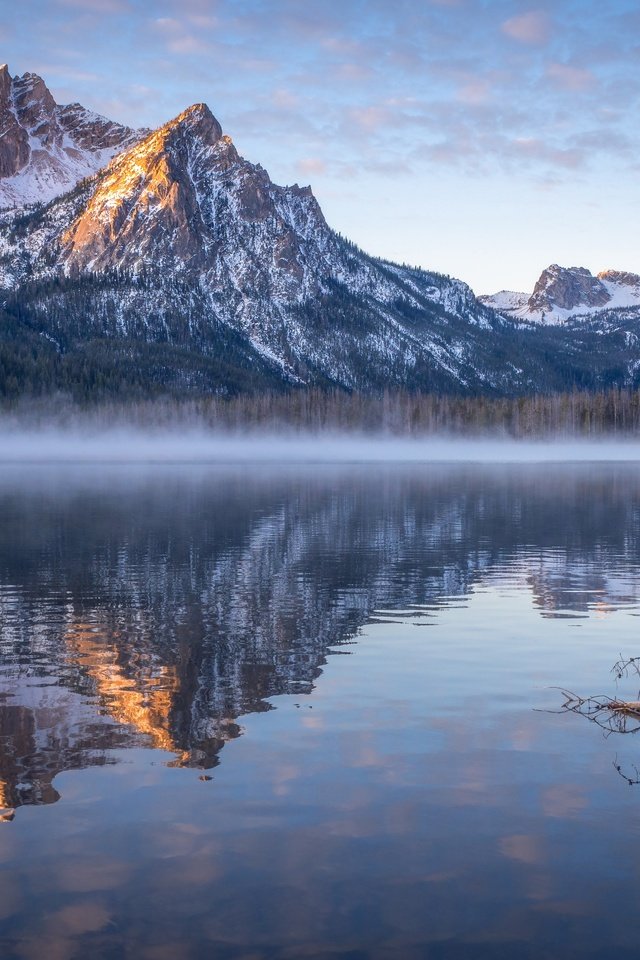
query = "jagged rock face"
{"x": 194, "y": 238}
{"x": 185, "y": 199}
{"x": 182, "y": 204}
{"x": 561, "y": 293}
{"x": 184, "y": 195}
{"x": 621, "y": 277}
{"x": 147, "y": 200}
{"x": 45, "y": 149}
{"x": 567, "y": 288}
{"x": 14, "y": 139}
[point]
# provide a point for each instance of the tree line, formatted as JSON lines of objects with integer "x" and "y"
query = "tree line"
{"x": 396, "y": 413}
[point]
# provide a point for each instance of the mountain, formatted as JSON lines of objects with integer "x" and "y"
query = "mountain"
{"x": 181, "y": 268}
{"x": 563, "y": 292}
{"x": 45, "y": 149}
{"x": 182, "y": 242}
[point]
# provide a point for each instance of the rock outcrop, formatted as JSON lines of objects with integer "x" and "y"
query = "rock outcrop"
{"x": 45, "y": 148}
{"x": 567, "y": 288}
{"x": 564, "y": 292}
{"x": 184, "y": 197}
{"x": 621, "y": 277}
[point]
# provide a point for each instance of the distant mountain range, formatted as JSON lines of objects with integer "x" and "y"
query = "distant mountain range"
{"x": 179, "y": 267}
{"x": 564, "y": 292}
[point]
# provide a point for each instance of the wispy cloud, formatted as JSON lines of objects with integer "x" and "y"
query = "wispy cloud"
{"x": 474, "y": 90}
{"x": 571, "y": 78}
{"x": 533, "y": 27}
{"x": 310, "y": 166}
{"x": 53, "y": 70}
{"x": 178, "y": 38}
{"x": 519, "y": 93}
{"x": 98, "y": 6}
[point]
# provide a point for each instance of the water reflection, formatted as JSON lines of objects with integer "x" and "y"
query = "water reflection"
{"x": 155, "y": 609}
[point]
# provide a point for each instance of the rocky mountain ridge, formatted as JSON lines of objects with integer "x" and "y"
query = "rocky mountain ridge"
{"x": 181, "y": 267}
{"x": 45, "y": 148}
{"x": 564, "y": 292}
{"x": 204, "y": 245}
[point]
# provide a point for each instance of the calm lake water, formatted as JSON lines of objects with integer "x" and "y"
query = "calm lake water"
{"x": 303, "y": 713}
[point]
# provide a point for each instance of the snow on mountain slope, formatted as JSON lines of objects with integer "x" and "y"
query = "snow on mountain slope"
{"x": 564, "y": 292}
{"x": 45, "y": 149}
{"x": 182, "y": 211}
{"x": 181, "y": 266}
{"x": 508, "y": 302}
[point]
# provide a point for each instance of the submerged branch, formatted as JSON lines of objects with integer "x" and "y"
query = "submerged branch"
{"x": 631, "y": 780}
{"x": 610, "y": 714}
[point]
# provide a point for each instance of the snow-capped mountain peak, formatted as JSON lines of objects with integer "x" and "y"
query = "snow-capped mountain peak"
{"x": 564, "y": 292}
{"x": 190, "y": 239}
{"x": 180, "y": 265}
{"x": 180, "y": 197}
{"x": 45, "y": 148}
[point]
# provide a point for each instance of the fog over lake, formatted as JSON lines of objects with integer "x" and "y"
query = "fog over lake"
{"x": 196, "y": 444}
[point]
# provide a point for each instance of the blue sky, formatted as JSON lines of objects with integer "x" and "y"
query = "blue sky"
{"x": 482, "y": 138}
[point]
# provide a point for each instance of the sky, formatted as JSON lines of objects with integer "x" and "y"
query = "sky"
{"x": 484, "y": 139}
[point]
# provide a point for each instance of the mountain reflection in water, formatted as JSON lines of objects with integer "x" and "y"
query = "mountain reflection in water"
{"x": 155, "y": 609}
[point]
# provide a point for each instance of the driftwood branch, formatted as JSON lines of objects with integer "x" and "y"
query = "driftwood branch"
{"x": 627, "y": 667}
{"x": 611, "y": 714}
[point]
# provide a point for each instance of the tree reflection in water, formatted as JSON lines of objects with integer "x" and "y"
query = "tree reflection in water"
{"x": 155, "y": 609}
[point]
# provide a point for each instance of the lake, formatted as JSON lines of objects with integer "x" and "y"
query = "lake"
{"x": 306, "y": 712}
